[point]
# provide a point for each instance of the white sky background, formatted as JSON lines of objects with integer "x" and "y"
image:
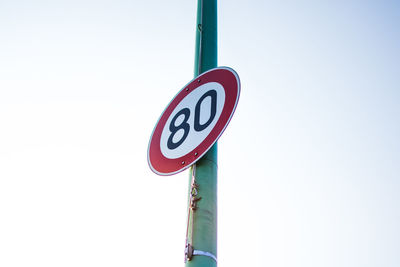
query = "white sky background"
{"x": 308, "y": 167}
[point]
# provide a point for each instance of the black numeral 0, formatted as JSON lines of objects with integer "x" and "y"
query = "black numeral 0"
{"x": 185, "y": 126}
{"x": 197, "y": 126}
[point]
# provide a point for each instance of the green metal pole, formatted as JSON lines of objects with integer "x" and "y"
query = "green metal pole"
{"x": 202, "y": 217}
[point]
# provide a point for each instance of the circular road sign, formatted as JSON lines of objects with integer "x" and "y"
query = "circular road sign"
{"x": 193, "y": 121}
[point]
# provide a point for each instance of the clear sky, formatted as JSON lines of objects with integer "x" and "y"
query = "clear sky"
{"x": 308, "y": 167}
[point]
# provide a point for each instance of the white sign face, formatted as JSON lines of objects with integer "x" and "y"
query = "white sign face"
{"x": 192, "y": 120}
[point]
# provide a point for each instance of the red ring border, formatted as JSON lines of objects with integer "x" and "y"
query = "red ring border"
{"x": 229, "y": 80}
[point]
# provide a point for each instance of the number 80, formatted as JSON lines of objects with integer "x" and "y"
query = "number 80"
{"x": 185, "y": 126}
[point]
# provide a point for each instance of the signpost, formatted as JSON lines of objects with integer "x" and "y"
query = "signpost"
{"x": 193, "y": 121}
{"x": 187, "y": 132}
{"x": 201, "y": 233}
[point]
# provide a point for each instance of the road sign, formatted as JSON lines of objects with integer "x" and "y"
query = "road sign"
{"x": 193, "y": 121}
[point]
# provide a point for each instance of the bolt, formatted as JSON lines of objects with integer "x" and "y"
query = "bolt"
{"x": 198, "y": 80}
{"x": 195, "y": 153}
{"x": 183, "y": 163}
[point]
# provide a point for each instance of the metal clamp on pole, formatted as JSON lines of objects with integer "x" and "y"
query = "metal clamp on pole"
{"x": 204, "y": 253}
{"x": 190, "y": 252}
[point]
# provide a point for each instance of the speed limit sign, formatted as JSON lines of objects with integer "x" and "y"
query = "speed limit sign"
{"x": 193, "y": 121}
